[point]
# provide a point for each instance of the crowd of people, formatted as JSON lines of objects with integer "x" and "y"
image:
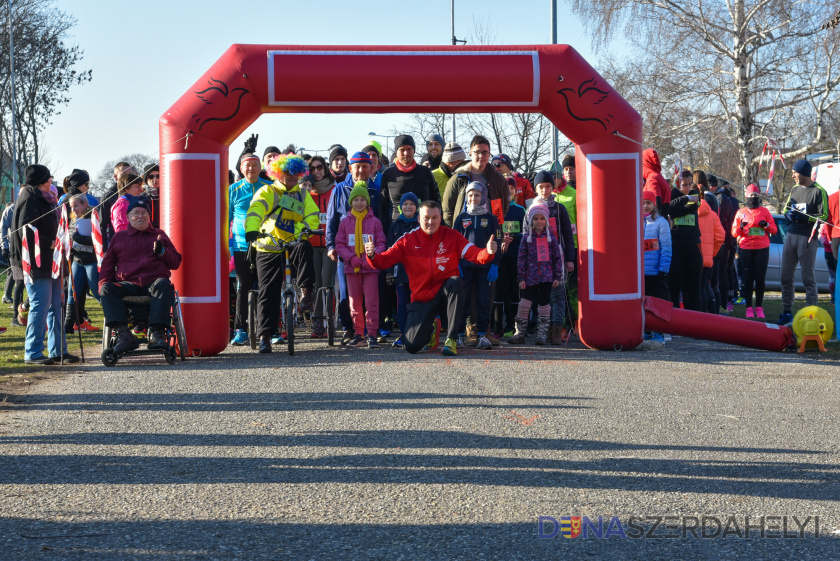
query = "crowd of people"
{"x": 458, "y": 243}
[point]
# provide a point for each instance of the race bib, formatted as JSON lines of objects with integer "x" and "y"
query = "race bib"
{"x": 367, "y": 238}
{"x": 687, "y": 220}
{"x": 756, "y": 231}
{"x": 512, "y": 227}
{"x": 322, "y": 217}
{"x": 292, "y": 208}
{"x": 351, "y": 240}
{"x": 574, "y": 228}
{"x": 652, "y": 245}
{"x": 543, "y": 254}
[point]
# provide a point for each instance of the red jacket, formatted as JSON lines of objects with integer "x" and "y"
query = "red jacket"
{"x": 322, "y": 201}
{"x": 712, "y": 233}
{"x": 430, "y": 260}
{"x": 652, "y": 172}
{"x": 753, "y": 236}
{"x": 524, "y": 191}
{"x": 834, "y": 214}
{"x": 130, "y": 258}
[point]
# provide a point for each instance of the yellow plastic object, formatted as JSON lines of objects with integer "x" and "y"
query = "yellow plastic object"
{"x": 812, "y": 322}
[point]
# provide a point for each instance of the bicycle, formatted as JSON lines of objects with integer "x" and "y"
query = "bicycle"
{"x": 288, "y": 293}
{"x": 325, "y": 295}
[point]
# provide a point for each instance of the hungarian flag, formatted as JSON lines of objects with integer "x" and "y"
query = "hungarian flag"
{"x": 26, "y": 264}
{"x": 96, "y": 234}
{"x": 62, "y": 243}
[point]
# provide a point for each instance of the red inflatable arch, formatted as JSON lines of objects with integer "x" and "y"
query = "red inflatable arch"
{"x": 249, "y": 80}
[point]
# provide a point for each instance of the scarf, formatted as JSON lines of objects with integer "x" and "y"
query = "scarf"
{"x": 752, "y": 202}
{"x": 403, "y": 168}
{"x": 323, "y": 186}
{"x": 360, "y": 244}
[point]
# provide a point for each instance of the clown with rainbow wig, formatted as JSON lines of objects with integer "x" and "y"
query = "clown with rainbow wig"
{"x": 282, "y": 210}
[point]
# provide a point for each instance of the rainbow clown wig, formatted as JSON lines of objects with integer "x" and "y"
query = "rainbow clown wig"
{"x": 286, "y": 164}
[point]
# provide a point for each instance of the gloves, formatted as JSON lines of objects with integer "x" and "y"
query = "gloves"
{"x": 355, "y": 262}
{"x": 158, "y": 248}
{"x": 493, "y": 273}
{"x": 389, "y": 278}
{"x": 251, "y": 236}
{"x": 251, "y": 143}
{"x": 743, "y": 224}
{"x": 763, "y": 224}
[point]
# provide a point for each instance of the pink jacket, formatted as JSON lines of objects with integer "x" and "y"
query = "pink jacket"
{"x": 347, "y": 251}
{"x": 119, "y": 214}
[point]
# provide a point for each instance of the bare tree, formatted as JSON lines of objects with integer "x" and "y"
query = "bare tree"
{"x": 727, "y": 71}
{"x": 45, "y": 70}
{"x": 103, "y": 180}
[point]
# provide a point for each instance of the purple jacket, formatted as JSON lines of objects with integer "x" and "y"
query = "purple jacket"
{"x": 130, "y": 258}
{"x": 346, "y": 228}
{"x": 532, "y": 271}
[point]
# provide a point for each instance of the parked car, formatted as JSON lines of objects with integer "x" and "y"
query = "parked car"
{"x": 774, "y": 268}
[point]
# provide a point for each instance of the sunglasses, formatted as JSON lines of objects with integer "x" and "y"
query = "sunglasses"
{"x": 498, "y": 165}
{"x": 316, "y": 168}
{"x": 154, "y": 176}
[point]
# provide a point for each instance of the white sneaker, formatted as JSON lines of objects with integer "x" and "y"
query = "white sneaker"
{"x": 484, "y": 343}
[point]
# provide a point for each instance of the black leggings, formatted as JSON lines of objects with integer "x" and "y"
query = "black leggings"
{"x": 754, "y": 270}
{"x": 686, "y": 273}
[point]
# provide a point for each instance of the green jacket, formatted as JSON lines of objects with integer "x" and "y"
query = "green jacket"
{"x": 568, "y": 198}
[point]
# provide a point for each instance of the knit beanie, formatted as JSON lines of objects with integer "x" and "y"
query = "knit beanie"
{"x": 404, "y": 140}
{"x": 712, "y": 179}
{"x": 803, "y": 167}
{"x": 370, "y": 148}
{"x": 568, "y": 161}
{"x": 533, "y": 210}
{"x": 543, "y": 177}
{"x": 337, "y": 150}
{"x": 751, "y": 190}
{"x": 360, "y": 189}
{"x": 409, "y": 197}
{"x": 79, "y": 177}
{"x": 649, "y": 196}
{"x": 481, "y": 207}
{"x": 360, "y": 158}
{"x": 453, "y": 153}
{"x": 140, "y": 201}
{"x": 434, "y": 137}
{"x": 36, "y": 174}
{"x": 271, "y": 150}
{"x": 505, "y": 159}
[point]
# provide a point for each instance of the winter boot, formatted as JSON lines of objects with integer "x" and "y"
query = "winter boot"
{"x": 542, "y": 331}
{"x": 521, "y": 328}
{"x": 555, "y": 335}
{"x": 472, "y": 335}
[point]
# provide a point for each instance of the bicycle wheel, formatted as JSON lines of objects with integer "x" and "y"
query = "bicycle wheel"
{"x": 252, "y": 318}
{"x": 289, "y": 319}
{"x": 329, "y": 306}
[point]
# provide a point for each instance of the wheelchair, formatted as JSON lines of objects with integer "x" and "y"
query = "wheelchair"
{"x": 138, "y": 318}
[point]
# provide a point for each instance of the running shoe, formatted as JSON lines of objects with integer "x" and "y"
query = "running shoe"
{"x": 759, "y": 312}
{"x": 240, "y": 338}
{"x": 749, "y": 314}
{"x": 450, "y": 348}
{"x": 484, "y": 343}
{"x": 358, "y": 341}
{"x": 398, "y": 344}
{"x": 85, "y": 326}
{"x": 278, "y": 339}
{"x": 729, "y": 307}
{"x": 785, "y": 318}
{"x": 373, "y": 343}
{"x": 434, "y": 342}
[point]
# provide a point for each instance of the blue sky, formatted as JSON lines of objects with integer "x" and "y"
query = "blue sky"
{"x": 144, "y": 55}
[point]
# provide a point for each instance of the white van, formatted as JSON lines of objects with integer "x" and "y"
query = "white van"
{"x": 828, "y": 176}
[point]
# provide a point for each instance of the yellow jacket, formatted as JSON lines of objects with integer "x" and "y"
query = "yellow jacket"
{"x": 269, "y": 202}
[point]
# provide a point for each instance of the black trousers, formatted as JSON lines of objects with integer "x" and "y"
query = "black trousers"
{"x": 245, "y": 283}
{"x": 476, "y": 286}
{"x": 754, "y": 271}
{"x": 686, "y": 271}
{"x": 421, "y": 315}
{"x": 707, "y": 293}
{"x": 723, "y": 274}
{"x": 657, "y": 286}
{"x": 272, "y": 273}
{"x": 161, "y": 291}
{"x": 506, "y": 300}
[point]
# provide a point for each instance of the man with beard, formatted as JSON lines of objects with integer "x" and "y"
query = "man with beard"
{"x": 405, "y": 176}
{"x": 434, "y": 150}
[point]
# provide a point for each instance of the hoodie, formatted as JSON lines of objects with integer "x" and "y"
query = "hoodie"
{"x": 652, "y": 172}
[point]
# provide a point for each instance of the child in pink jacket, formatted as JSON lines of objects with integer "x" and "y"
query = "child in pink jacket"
{"x": 362, "y": 279}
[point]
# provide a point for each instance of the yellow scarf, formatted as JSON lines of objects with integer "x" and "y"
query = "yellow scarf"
{"x": 360, "y": 243}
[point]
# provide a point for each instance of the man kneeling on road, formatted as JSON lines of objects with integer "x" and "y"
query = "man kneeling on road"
{"x": 430, "y": 255}
{"x": 139, "y": 262}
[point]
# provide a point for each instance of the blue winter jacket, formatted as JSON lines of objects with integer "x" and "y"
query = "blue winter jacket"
{"x": 339, "y": 206}
{"x": 658, "y": 252}
{"x": 239, "y": 199}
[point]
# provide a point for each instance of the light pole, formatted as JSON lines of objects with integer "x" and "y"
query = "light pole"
{"x": 13, "y": 153}
{"x": 553, "y": 42}
{"x": 455, "y": 41}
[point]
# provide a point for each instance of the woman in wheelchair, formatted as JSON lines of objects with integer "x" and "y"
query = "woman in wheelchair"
{"x": 138, "y": 262}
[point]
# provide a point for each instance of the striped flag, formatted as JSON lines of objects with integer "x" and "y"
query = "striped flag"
{"x": 62, "y": 243}
{"x": 96, "y": 234}
{"x": 769, "y": 190}
{"x": 25, "y": 262}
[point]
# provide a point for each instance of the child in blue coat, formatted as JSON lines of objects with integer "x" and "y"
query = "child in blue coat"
{"x": 405, "y": 223}
{"x": 478, "y": 225}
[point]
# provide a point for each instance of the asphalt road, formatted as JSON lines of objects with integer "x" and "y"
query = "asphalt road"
{"x": 355, "y": 454}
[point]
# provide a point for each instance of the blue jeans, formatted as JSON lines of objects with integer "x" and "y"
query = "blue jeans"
{"x": 44, "y": 312}
{"x": 85, "y": 277}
